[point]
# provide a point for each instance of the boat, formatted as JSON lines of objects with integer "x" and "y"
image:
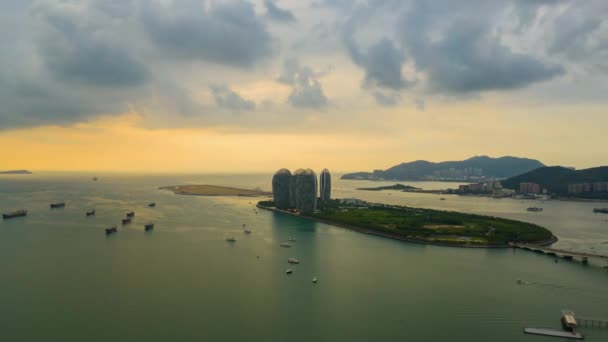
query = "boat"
{"x": 91, "y": 213}
{"x": 292, "y": 239}
{"x": 153, "y": 204}
{"x": 247, "y": 231}
{"x": 111, "y": 230}
{"x": 314, "y": 280}
{"x": 289, "y": 271}
{"x": 230, "y": 239}
{"x": 534, "y": 209}
{"x": 285, "y": 244}
{"x": 600, "y": 210}
{"x": 442, "y": 199}
{"x": 131, "y": 214}
{"x": 293, "y": 261}
{"x": 57, "y": 205}
{"x": 18, "y": 213}
{"x": 95, "y": 179}
{"x": 126, "y": 220}
{"x": 149, "y": 226}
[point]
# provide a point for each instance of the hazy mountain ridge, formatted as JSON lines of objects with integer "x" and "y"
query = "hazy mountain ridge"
{"x": 502, "y": 167}
{"x": 15, "y": 172}
{"x": 557, "y": 178}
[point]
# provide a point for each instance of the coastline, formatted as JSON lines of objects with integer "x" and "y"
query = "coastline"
{"x": 368, "y": 231}
{"x": 213, "y": 190}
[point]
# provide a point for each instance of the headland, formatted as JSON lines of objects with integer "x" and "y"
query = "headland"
{"x": 214, "y": 190}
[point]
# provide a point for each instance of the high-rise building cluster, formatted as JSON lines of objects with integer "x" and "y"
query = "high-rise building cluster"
{"x": 582, "y": 188}
{"x": 299, "y": 190}
{"x": 529, "y": 188}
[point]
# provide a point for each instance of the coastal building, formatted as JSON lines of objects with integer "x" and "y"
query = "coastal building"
{"x": 325, "y": 185}
{"x": 280, "y": 188}
{"x": 581, "y": 188}
{"x": 305, "y": 190}
{"x": 529, "y": 188}
{"x": 292, "y": 192}
{"x": 482, "y": 188}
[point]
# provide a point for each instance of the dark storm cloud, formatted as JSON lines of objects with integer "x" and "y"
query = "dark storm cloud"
{"x": 226, "y": 33}
{"x": 467, "y": 57}
{"x": 382, "y": 64}
{"x": 306, "y": 90}
{"x": 227, "y": 98}
{"x": 77, "y": 49}
{"x": 274, "y": 12}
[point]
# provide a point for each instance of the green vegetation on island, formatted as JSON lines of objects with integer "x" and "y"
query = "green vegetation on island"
{"x": 427, "y": 225}
{"x": 556, "y": 179}
{"x": 391, "y": 187}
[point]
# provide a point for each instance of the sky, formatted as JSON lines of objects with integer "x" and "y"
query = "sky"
{"x": 253, "y": 86}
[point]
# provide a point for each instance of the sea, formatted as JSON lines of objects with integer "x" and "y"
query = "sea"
{"x": 63, "y": 279}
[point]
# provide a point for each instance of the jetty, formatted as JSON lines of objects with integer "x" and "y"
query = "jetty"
{"x": 569, "y": 325}
{"x": 568, "y": 255}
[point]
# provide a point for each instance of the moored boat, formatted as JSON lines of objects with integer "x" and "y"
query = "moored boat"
{"x": 91, "y": 213}
{"x": 149, "y": 226}
{"x": 57, "y": 205}
{"x": 153, "y": 204}
{"x": 111, "y": 230}
{"x": 600, "y": 210}
{"x": 231, "y": 239}
{"x": 289, "y": 271}
{"x": 18, "y": 213}
{"x": 534, "y": 209}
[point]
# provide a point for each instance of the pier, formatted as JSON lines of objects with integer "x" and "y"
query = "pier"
{"x": 568, "y": 255}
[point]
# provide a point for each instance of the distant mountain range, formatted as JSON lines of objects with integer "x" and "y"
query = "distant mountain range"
{"x": 15, "y": 172}
{"x": 556, "y": 178}
{"x": 476, "y": 167}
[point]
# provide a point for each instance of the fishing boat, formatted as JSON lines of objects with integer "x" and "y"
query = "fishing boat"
{"x": 149, "y": 226}
{"x": 289, "y": 271}
{"x": 314, "y": 280}
{"x": 126, "y": 220}
{"x": 285, "y": 244}
{"x": 18, "y": 213}
{"x": 111, "y": 230}
{"x": 131, "y": 214}
{"x": 57, "y": 205}
{"x": 91, "y": 213}
{"x": 153, "y": 204}
{"x": 231, "y": 239}
{"x": 534, "y": 209}
{"x": 600, "y": 210}
{"x": 293, "y": 261}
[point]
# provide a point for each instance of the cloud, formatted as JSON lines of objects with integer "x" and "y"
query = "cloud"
{"x": 77, "y": 48}
{"x": 225, "y": 33}
{"x": 276, "y": 13}
{"x": 227, "y": 98}
{"x": 459, "y": 47}
{"x": 386, "y": 99}
{"x": 307, "y": 91}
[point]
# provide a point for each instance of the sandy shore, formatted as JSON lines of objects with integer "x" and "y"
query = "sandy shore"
{"x": 213, "y": 190}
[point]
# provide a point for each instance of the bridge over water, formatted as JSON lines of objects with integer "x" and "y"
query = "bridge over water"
{"x": 562, "y": 252}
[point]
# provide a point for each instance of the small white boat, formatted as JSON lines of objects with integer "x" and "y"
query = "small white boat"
{"x": 293, "y": 261}
{"x": 231, "y": 239}
{"x": 292, "y": 239}
{"x": 289, "y": 271}
{"x": 314, "y": 280}
{"x": 285, "y": 244}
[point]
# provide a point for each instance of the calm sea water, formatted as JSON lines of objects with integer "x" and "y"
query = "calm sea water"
{"x": 62, "y": 279}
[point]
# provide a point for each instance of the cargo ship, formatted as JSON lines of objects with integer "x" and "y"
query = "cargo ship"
{"x": 601, "y": 210}
{"x": 18, "y": 213}
{"x": 57, "y": 205}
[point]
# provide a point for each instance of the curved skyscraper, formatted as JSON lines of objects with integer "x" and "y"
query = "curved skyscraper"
{"x": 306, "y": 190}
{"x": 292, "y": 192}
{"x": 280, "y": 188}
{"x": 325, "y": 185}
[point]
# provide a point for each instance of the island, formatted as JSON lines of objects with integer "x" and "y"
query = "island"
{"x": 15, "y": 172}
{"x": 446, "y": 228}
{"x": 400, "y": 187}
{"x": 214, "y": 190}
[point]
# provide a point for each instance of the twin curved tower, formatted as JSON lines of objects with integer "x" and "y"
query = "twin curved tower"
{"x": 299, "y": 190}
